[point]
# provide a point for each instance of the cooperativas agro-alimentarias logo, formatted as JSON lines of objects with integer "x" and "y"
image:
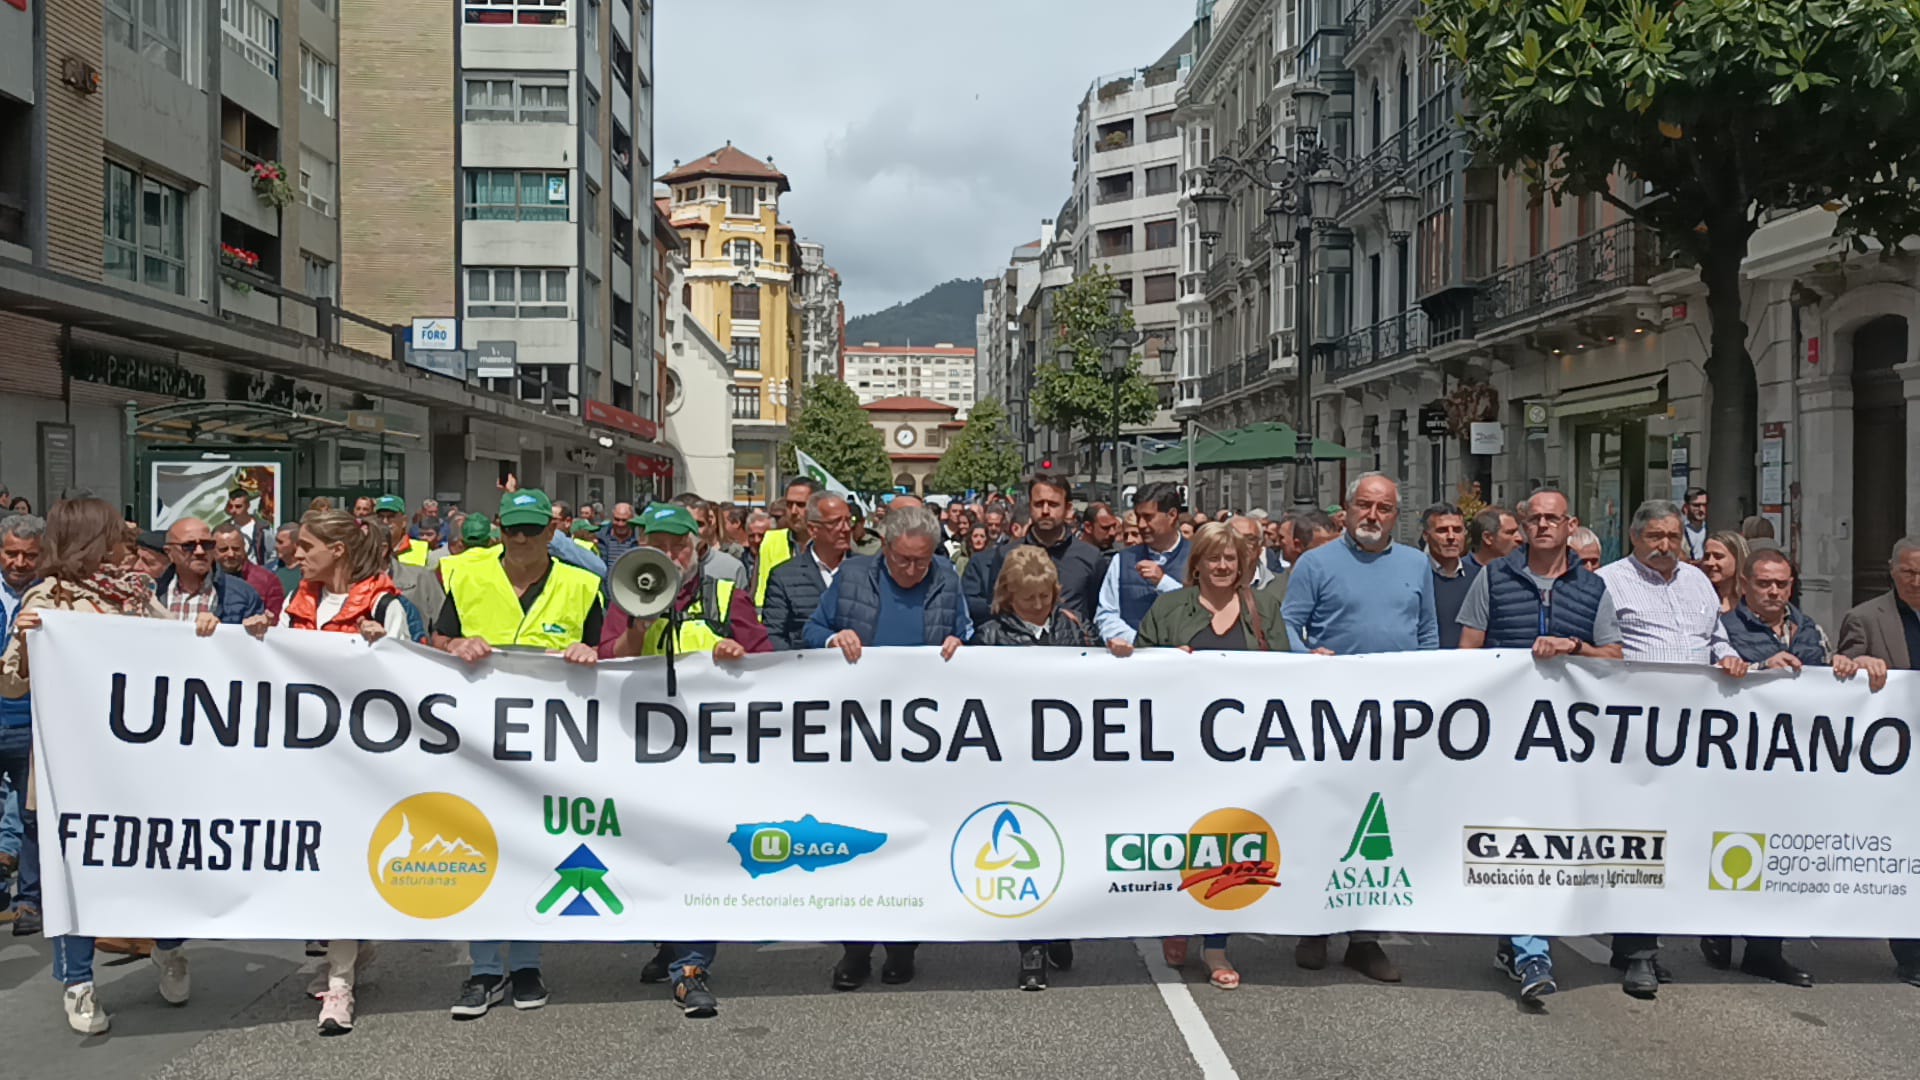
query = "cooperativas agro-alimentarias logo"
{"x": 1007, "y": 859}
{"x": 1735, "y": 863}
{"x": 432, "y": 855}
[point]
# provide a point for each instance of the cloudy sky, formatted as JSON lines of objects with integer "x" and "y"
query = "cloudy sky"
{"x": 924, "y": 139}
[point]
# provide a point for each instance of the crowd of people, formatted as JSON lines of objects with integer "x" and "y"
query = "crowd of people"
{"x": 816, "y": 571}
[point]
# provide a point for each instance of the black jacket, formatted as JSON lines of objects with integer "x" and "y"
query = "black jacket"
{"x": 793, "y": 592}
{"x": 1062, "y": 629}
{"x": 1076, "y": 561}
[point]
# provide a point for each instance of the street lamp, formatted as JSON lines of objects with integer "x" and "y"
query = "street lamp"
{"x": 1309, "y": 189}
{"x": 1116, "y": 354}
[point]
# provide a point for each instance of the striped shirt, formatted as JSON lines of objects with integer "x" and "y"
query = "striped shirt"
{"x": 1669, "y": 621}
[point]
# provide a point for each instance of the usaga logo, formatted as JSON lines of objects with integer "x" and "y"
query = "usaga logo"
{"x": 432, "y": 855}
{"x": 1227, "y": 860}
{"x": 1735, "y": 862}
{"x": 1007, "y": 859}
{"x": 769, "y": 847}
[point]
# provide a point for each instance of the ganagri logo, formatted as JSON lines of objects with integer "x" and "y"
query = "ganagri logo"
{"x": 1735, "y": 863}
{"x": 432, "y": 855}
{"x": 769, "y": 847}
{"x": 1367, "y": 875}
{"x": 1007, "y": 859}
{"x": 1227, "y": 860}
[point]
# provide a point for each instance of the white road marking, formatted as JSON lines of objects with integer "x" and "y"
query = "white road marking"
{"x": 1591, "y": 948}
{"x": 1201, "y": 1044}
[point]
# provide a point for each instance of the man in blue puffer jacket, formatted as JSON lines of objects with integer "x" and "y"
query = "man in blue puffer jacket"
{"x": 195, "y": 586}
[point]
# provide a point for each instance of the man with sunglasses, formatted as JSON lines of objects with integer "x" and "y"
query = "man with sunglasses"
{"x": 194, "y": 587}
{"x": 1539, "y": 598}
{"x": 525, "y": 598}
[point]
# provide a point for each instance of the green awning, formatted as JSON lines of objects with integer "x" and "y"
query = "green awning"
{"x": 1253, "y": 445}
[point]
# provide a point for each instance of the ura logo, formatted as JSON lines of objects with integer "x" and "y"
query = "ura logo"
{"x": 1007, "y": 859}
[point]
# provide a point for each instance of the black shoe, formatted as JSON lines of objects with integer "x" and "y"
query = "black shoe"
{"x": 1719, "y": 951}
{"x": 852, "y": 972}
{"x": 899, "y": 966}
{"x": 1060, "y": 954}
{"x": 1774, "y": 965}
{"x": 691, "y": 994}
{"x": 1640, "y": 980}
{"x": 1660, "y": 972}
{"x": 478, "y": 994}
{"x": 529, "y": 992}
{"x": 1033, "y": 967}
{"x": 316, "y": 948}
{"x": 656, "y": 969}
{"x": 26, "y": 921}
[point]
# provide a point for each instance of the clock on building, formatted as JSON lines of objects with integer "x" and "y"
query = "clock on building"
{"x": 904, "y": 435}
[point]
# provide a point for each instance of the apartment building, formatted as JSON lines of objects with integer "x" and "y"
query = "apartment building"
{"x": 822, "y": 316}
{"x": 943, "y": 373}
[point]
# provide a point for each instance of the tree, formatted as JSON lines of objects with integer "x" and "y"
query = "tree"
{"x": 833, "y": 429}
{"x": 1080, "y": 396}
{"x": 1727, "y": 112}
{"x": 982, "y": 456}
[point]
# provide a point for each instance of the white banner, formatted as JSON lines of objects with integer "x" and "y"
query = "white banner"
{"x": 311, "y": 786}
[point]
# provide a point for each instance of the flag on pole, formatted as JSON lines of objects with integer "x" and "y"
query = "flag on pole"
{"x": 819, "y": 473}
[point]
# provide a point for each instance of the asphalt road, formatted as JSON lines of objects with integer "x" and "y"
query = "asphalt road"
{"x": 1114, "y": 1015}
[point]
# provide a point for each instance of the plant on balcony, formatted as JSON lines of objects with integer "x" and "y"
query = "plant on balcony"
{"x": 1729, "y": 113}
{"x": 270, "y": 183}
{"x": 239, "y": 258}
{"x": 982, "y": 456}
{"x": 1080, "y": 396}
{"x": 1115, "y": 140}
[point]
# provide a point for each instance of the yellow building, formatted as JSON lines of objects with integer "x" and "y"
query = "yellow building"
{"x": 740, "y": 276}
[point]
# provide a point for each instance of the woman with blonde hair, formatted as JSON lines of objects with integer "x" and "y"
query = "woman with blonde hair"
{"x": 1722, "y": 558}
{"x": 85, "y": 549}
{"x": 1216, "y": 611}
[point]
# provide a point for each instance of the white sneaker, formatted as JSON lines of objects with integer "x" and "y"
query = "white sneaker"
{"x": 84, "y": 1014}
{"x": 336, "y": 1011}
{"x": 175, "y": 983}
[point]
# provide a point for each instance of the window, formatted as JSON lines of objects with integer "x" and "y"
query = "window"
{"x": 146, "y": 230}
{"x": 1113, "y": 135}
{"x": 152, "y": 28}
{"x": 1162, "y": 234}
{"x": 1159, "y": 288}
{"x": 589, "y": 299}
{"x": 590, "y": 207}
{"x": 510, "y": 195}
{"x": 1160, "y": 126}
{"x": 590, "y": 23}
{"x": 1115, "y": 188}
{"x": 1125, "y": 288}
{"x": 316, "y": 181}
{"x": 746, "y": 302}
{"x": 524, "y": 12}
{"x": 589, "y": 111}
{"x": 528, "y": 99}
{"x": 744, "y": 253}
{"x": 1116, "y": 241}
{"x": 316, "y": 80}
{"x": 746, "y": 353}
{"x": 740, "y": 202}
{"x": 746, "y": 402}
{"x": 253, "y": 31}
{"x": 516, "y": 293}
{"x": 1162, "y": 180}
{"x": 317, "y": 276}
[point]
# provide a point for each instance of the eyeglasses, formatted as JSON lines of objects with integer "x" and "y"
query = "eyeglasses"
{"x": 1546, "y": 521}
{"x": 194, "y": 545}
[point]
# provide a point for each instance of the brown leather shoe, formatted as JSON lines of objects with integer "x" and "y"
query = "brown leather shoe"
{"x": 124, "y": 946}
{"x": 1369, "y": 959}
{"x": 1311, "y": 953}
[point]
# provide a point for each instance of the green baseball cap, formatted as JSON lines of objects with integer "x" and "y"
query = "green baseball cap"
{"x": 526, "y": 507}
{"x": 583, "y": 527}
{"x": 476, "y": 529}
{"x": 390, "y": 504}
{"x": 670, "y": 518}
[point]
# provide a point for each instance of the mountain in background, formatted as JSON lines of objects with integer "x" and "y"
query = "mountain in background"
{"x": 944, "y": 313}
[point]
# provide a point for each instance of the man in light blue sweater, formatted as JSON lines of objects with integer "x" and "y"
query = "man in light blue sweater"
{"x": 1362, "y": 593}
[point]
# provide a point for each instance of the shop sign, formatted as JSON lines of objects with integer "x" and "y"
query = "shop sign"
{"x": 451, "y": 363}
{"x": 276, "y": 390}
{"x": 143, "y": 374}
{"x": 494, "y": 359}
{"x": 1487, "y": 437}
{"x": 1433, "y": 421}
{"x": 599, "y": 412}
{"x": 439, "y": 335}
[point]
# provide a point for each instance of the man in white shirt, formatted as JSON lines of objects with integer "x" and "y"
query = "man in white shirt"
{"x": 1694, "y": 540}
{"x": 1136, "y": 575}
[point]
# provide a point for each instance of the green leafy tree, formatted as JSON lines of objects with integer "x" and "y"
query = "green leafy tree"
{"x": 982, "y": 456}
{"x": 834, "y": 430}
{"x": 1080, "y": 396}
{"x": 1728, "y": 111}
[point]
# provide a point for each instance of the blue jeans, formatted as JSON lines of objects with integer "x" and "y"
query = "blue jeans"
{"x": 688, "y": 954}
{"x": 1530, "y": 948}
{"x": 486, "y": 956}
{"x": 73, "y": 958}
{"x": 21, "y": 835}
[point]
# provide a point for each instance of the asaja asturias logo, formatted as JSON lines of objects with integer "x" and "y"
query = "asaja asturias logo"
{"x": 432, "y": 855}
{"x": 1368, "y": 874}
{"x": 1007, "y": 859}
{"x": 1226, "y": 861}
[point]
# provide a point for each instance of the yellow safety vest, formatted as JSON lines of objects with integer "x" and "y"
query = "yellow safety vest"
{"x": 775, "y": 548}
{"x": 588, "y": 544}
{"x": 416, "y": 553}
{"x": 696, "y": 633}
{"x": 452, "y": 563}
{"x": 490, "y": 609}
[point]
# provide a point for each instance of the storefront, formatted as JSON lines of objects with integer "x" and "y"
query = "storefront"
{"x": 1619, "y": 438}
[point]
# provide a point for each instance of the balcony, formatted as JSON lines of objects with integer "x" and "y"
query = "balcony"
{"x": 1368, "y": 17}
{"x": 237, "y": 199}
{"x": 1385, "y": 341}
{"x": 1380, "y": 169}
{"x": 1589, "y": 269}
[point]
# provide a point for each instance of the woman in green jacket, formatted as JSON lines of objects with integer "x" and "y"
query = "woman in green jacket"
{"x": 1216, "y": 611}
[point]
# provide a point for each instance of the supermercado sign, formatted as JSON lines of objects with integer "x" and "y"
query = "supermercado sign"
{"x": 312, "y": 786}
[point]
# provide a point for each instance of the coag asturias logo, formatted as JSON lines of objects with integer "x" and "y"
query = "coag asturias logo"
{"x": 1007, "y": 859}
{"x": 811, "y": 844}
{"x": 432, "y": 855}
{"x": 1227, "y": 860}
{"x": 1736, "y": 862}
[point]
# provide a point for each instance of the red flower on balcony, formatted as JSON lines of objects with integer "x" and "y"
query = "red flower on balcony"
{"x": 238, "y": 256}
